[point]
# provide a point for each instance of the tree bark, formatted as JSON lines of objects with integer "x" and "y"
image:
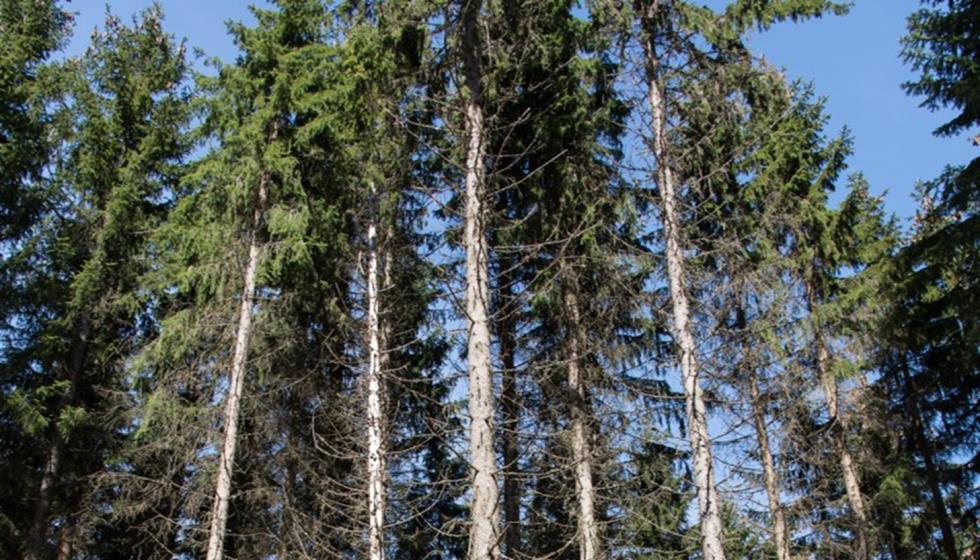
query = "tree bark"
{"x": 484, "y": 532}
{"x": 709, "y": 504}
{"x": 66, "y": 540}
{"x": 376, "y": 447}
{"x": 236, "y": 382}
{"x": 852, "y": 484}
{"x": 34, "y": 548}
{"x": 511, "y": 417}
{"x": 588, "y": 529}
{"x": 769, "y": 475}
{"x": 928, "y": 458}
{"x": 39, "y": 526}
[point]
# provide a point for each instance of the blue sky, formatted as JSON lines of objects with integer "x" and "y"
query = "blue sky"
{"x": 852, "y": 60}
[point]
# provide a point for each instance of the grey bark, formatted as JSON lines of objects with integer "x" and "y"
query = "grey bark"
{"x": 709, "y": 504}
{"x": 236, "y": 383}
{"x": 376, "y": 447}
{"x": 769, "y": 475}
{"x": 484, "y": 526}
{"x": 588, "y": 529}
{"x": 852, "y": 484}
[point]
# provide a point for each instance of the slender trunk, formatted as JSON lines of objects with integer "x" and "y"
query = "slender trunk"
{"x": 34, "y": 549}
{"x": 376, "y": 451}
{"x": 928, "y": 458}
{"x": 709, "y": 504}
{"x": 852, "y": 484}
{"x": 66, "y": 540}
{"x": 285, "y": 526}
{"x": 945, "y": 525}
{"x": 236, "y": 382}
{"x": 588, "y": 529}
{"x": 39, "y": 526}
{"x": 511, "y": 413}
{"x": 769, "y": 475}
{"x": 484, "y": 534}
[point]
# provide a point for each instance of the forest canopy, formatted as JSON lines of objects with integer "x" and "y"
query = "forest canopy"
{"x": 481, "y": 279}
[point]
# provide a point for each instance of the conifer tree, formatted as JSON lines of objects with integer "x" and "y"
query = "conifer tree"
{"x": 263, "y": 218}
{"x": 484, "y": 523}
{"x": 230, "y": 311}
{"x": 383, "y": 60}
{"x": 929, "y": 334}
{"x": 31, "y": 32}
{"x": 557, "y": 193}
{"x": 74, "y": 310}
{"x": 664, "y": 31}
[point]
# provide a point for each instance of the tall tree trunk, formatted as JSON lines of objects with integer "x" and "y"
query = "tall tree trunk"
{"x": 376, "y": 448}
{"x": 925, "y": 449}
{"x": 39, "y": 527}
{"x": 709, "y": 504}
{"x": 236, "y": 382}
{"x": 66, "y": 539}
{"x": 588, "y": 529}
{"x": 484, "y": 535}
{"x": 34, "y": 548}
{"x": 852, "y": 484}
{"x": 769, "y": 475}
{"x": 511, "y": 417}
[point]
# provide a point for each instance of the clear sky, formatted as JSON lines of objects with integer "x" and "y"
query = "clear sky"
{"x": 852, "y": 60}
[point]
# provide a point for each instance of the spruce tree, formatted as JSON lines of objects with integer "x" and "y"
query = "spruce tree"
{"x": 675, "y": 62}
{"x": 258, "y": 232}
{"x": 931, "y": 325}
{"x": 72, "y": 308}
{"x": 928, "y": 333}
{"x": 31, "y": 32}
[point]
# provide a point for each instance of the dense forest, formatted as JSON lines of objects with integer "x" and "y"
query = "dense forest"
{"x": 481, "y": 279}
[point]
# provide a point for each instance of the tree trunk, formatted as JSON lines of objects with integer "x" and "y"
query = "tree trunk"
{"x": 945, "y": 526}
{"x": 709, "y": 504}
{"x": 852, "y": 484}
{"x": 928, "y": 458}
{"x": 34, "y": 549}
{"x": 510, "y": 422}
{"x": 376, "y": 448}
{"x": 769, "y": 475}
{"x": 588, "y": 530}
{"x": 483, "y": 543}
{"x": 39, "y": 527}
{"x": 66, "y": 540}
{"x": 236, "y": 382}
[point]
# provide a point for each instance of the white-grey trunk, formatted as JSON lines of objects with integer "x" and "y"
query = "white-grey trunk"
{"x": 376, "y": 448}
{"x": 852, "y": 484}
{"x": 483, "y": 543}
{"x": 588, "y": 530}
{"x": 236, "y": 383}
{"x": 709, "y": 504}
{"x": 770, "y": 477}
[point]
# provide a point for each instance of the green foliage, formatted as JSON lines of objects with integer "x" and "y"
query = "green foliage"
{"x": 659, "y": 518}
{"x": 942, "y": 44}
{"x": 114, "y": 146}
{"x": 928, "y": 340}
{"x": 29, "y": 32}
{"x": 123, "y": 238}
